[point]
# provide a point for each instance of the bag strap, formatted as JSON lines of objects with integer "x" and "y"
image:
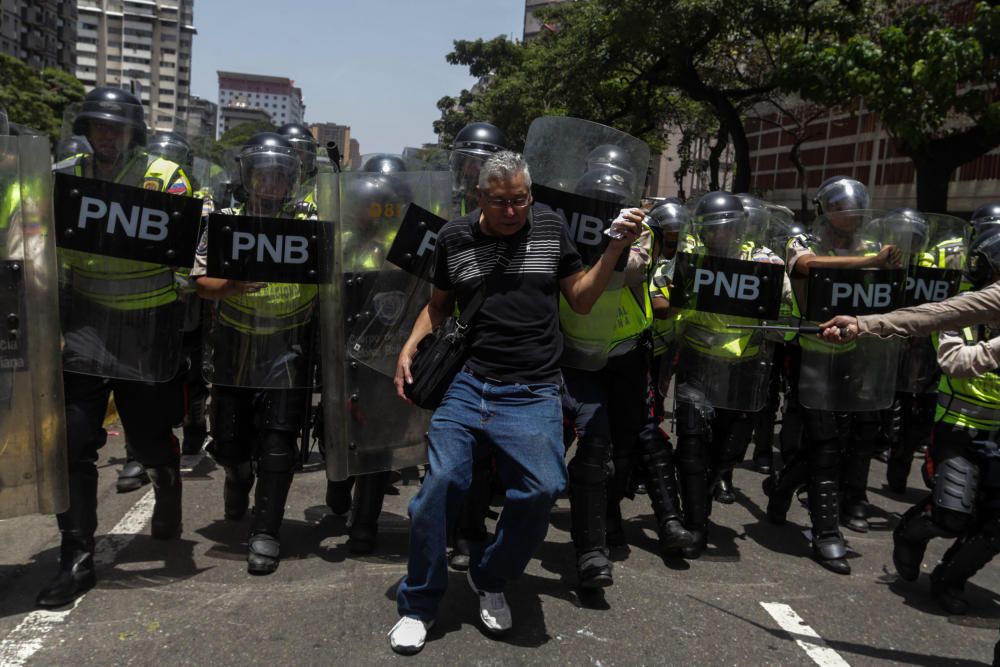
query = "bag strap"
{"x": 476, "y": 302}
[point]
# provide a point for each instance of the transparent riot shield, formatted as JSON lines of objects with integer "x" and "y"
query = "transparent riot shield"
{"x": 33, "y": 468}
{"x": 213, "y": 185}
{"x": 726, "y": 277}
{"x": 122, "y": 226}
{"x": 939, "y": 247}
{"x": 266, "y": 337}
{"x": 368, "y": 428}
{"x": 588, "y": 172}
{"x": 859, "y": 376}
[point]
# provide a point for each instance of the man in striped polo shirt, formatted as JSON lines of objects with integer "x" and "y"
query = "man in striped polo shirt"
{"x": 507, "y": 396}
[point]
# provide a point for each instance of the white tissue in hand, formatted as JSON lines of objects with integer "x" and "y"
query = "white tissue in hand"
{"x": 619, "y": 225}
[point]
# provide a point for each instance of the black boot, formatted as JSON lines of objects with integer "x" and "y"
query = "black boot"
{"x": 131, "y": 477}
{"x": 369, "y": 492}
{"x": 661, "y": 485}
{"x": 723, "y": 491}
{"x": 828, "y": 546}
{"x": 338, "y": 495}
{"x": 694, "y": 490}
{"x": 780, "y": 488}
{"x": 77, "y": 524}
{"x": 236, "y": 490}
{"x": 763, "y": 458}
{"x": 166, "y": 521}
{"x": 909, "y": 541}
{"x": 854, "y": 507}
{"x": 269, "y": 509}
{"x": 961, "y": 562}
{"x": 614, "y": 530}
{"x": 76, "y": 572}
{"x": 588, "y": 497}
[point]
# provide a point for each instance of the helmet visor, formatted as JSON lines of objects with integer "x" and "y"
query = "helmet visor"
{"x": 271, "y": 173}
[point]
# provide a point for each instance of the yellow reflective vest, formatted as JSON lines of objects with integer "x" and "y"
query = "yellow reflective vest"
{"x": 969, "y": 402}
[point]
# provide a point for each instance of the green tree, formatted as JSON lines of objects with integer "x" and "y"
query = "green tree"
{"x": 933, "y": 83}
{"x": 628, "y": 63}
{"x": 37, "y": 99}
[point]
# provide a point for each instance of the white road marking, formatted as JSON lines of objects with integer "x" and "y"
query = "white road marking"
{"x": 804, "y": 636}
{"x": 28, "y": 637}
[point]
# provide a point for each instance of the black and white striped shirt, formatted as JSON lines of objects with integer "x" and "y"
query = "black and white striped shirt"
{"x": 515, "y": 336}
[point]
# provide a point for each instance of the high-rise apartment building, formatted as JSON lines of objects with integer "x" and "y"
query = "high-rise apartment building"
{"x": 42, "y": 33}
{"x": 277, "y": 96}
{"x": 147, "y": 42}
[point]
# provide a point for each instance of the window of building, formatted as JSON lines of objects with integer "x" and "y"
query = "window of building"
{"x": 170, "y": 51}
{"x": 165, "y": 105}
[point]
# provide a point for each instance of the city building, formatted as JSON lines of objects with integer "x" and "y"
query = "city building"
{"x": 41, "y": 33}
{"x": 340, "y": 134}
{"x": 277, "y": 96}
{"x": 855, "y": 145}
{"x": 203, "y": 118}
{"x": 532, "y": 26}
{"x": 355, "y": 153}
{"x": 232, "y": 116}
{"x": 142, "y": 45}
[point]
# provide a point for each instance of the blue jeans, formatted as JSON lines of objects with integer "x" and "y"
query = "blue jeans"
{"x": 522, "y": 427}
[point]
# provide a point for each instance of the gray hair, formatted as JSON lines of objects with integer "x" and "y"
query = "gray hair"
{"x": 502, "y": 166}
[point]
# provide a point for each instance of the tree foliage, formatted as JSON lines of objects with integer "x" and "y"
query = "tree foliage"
{"x": 632, "y": 64}
{"x": 932, "y": 81}
{"x": 37, "y": 99}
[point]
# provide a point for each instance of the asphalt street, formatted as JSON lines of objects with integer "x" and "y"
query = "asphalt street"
{"x": 754, "y": 598}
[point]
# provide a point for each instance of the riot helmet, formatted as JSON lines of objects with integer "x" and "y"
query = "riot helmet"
{"x": 984, "y": 256}
{"x": 758, "y": 216}
{"x": 112, "y": 120}
{"x": 720, "y": 221}
{"x": 473, "y": 144}
{"x": 666, "y": 219}
{"x": 384, "y": 163}
{"x": 906, "y": 228}
{"x": 984, "y": 215}
{"x": 604, "y": 184}
{"x": 841, "y": 193}
{"x": 304, "y": 144}
{"x": 269, "y": 172}
{"x": 609, "y": 155}
{"x": 171, "y": 146}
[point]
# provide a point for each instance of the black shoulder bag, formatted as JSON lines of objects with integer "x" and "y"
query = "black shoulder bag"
{"x": 441, "y": 353}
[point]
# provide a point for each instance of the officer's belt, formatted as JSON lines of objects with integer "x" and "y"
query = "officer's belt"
{"x": 94, "y": 286}
{"x": 251, "y": 321}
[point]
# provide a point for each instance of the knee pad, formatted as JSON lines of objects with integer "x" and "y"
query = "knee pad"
{"x": 224, "y": 415}
{"x": 824, "y": 458}
{"x": 281, "y": 410}
{"x": 693, "y": 419}
{"x": 276, "y": 452}
{"x": 592, "y": 463}
{"x": 819, "y": 424}
{"x": 956, "y": 483}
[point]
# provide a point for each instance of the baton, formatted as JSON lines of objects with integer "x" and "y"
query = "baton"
{"x": 804, "y": 329}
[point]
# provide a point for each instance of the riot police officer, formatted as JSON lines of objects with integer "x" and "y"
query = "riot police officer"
{"x": 605, "y": 366}
{"x": 985, "y": 215}
{"x": 258, "y": 339}
{"x": 304, "y": 143}
{"x": 383, "y": 163}
{"x": 121, "y": 327}
{"x": 473, "y": 144}
{"x": 964, "y": 455}
{"x": 818, "y": 462}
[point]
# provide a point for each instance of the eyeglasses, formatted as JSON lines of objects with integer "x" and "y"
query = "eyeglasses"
{"x": 519, "y": 202}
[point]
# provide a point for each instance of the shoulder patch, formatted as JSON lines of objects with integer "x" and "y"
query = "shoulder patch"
{"x": 151, "y": 183}
{"x": 178, "y": 187}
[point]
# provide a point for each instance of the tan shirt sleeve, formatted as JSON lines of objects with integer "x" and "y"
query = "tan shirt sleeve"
{"x": 200, "y": 266}
{"x": 966, "y": 309}
{"x": 960, "y": 361}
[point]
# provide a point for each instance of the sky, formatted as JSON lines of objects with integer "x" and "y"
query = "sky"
{"x": 376, "y": 65}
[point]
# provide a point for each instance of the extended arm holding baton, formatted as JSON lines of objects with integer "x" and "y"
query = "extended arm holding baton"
{"x": 803, "y": 329}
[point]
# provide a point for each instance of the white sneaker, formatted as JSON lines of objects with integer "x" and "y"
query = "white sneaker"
{"x": 408, "y": 635}
{"x": 493, "y": 609}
